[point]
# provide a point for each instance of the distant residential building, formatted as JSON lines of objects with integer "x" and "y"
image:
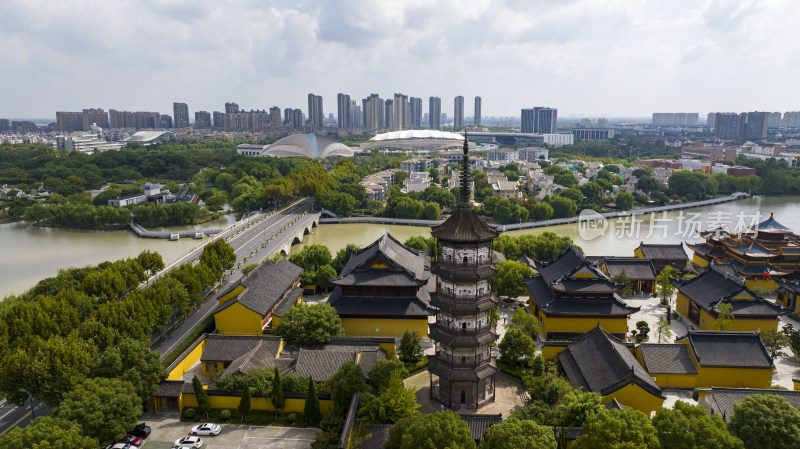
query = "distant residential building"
{"x": 219, "y": 119}
{"x": 388, "y": 119}
{"x": 5, "y": 124}
{"x": 136, "y": 120}
{"x": 374, "y": 115}
{"x": 69, "y": 121}
{"x": 774, "y": 119}
{"x": 417, "y": 182}
{"x": 315, "y": 114}
{"x": 790, "y": 119}
{"x": 94, "y": 116}
{"x": 231, "y": 108}
{"x": 539, "y": 120}
{"x": 711, "y": 119}
{"x": 401, "y": 113}
{"x": 477, "y": 111}
{"x": 86, "y": 143}
{"x": 592, "y": 133}
{"x": 507, "y": 189}
{"x": 415, "y": 105}
{"x": 247, "y": 149}
{"x": 756, "y": 125}
{"x": 675, "y": 119}
{"x": 355, "y": 115}
{"x": 435, "y": 112}
{"x": 502, "y": 154}
{"x": 180, "y": 114}
{"x": 202, "y": 120}
{"x": 343, "y": 110}
{"x": 275, "y": 117}
{"x": 416, "y": 164}
{"x": 533, "y": 154}
{"x": 747, "y": 125}
{"x": 458, "y": 113}
{"x": 377, "y": 184}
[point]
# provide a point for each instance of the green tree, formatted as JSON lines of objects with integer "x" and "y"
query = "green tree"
{"x": 527, "y": 322}
{"x": 542, "y": 211}
{"x": 510, "y": 278}
{"x": 665, "y": 287}
{"x": 311, "y": 409}
{"x": 323, "y": 276}
{"x": 342, "y": 256}
{"x": 624, "y": 200}
{"x": 625, "y": 281}
{"x": 577, "y": 407}
{"x": 618, "y": 429}
{"x": 766, "y": 420}
{"x": 133, "y": 361}
{"x": 346, "y": 382}
{"x": 371, "y": 410}
{"x": 312, "y": 324}
{"x": 430, "y": 431}
{"x": 724, "y": 316}
{"x": 410, "y": 348}
{"x": 47, "y": 432}
{"x": 150, "y": 261}
{"x": 276, "y": 396}
{"x": 383, "y": 370}
{"x": 775, "y": 342}
{"x": 663, "y": 329}
{"x": 648, "y": 184}
{"x": 514, "y": 433}
{"x": 399, "y": 401}
{"x": 687, "y": 426}
{"x": 203, "y": 402}
{"x": 104, "y": 408}
{"x": 516, "y": 346}
{"x": 572, "y": 193}
{"x": 218, "y": 256}
{"x": 47, "y": 368}
{"x": 311, "y": 257}
{"x": 339, "y": 202}
{"x": 563, "y": 207}
{"x": 244, "y": 402}
{"x": 431, "y": 211}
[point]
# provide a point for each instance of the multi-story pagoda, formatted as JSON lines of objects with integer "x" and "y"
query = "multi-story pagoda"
{"x": 463, "y": 369}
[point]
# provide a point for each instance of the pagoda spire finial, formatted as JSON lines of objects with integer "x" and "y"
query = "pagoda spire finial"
{"x": 464, "y": 190}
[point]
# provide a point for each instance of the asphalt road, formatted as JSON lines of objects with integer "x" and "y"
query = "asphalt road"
{"x": 248, "y": 239}
{"x": 12, "y": 416}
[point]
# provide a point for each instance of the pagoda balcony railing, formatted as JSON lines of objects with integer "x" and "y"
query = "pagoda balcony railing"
{"x": 464, "y": 330}
{"x": 448, "y": 295}
{"x": 453, "y": 265}
{"x": 442, "y": 360}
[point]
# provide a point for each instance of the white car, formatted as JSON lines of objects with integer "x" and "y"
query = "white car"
{"x": 206, "y": 429}
{"x": 189, "y": 441}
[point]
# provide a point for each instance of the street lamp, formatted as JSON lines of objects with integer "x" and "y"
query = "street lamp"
{"x": 30, "y": 396}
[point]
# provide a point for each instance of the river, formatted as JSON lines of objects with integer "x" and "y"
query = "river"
{"x": 30, "y": 254}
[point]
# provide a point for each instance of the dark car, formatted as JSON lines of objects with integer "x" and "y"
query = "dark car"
{"x": 141, "y": 430}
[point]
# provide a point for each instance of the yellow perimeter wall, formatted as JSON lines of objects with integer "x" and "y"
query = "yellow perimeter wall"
{"x": 238, "y": 319}
{"x": 635, "y": 397}
{"x": 737, "y": 324}
{"x": 187, "y": 362}
{"x": 699, "y": 261}
{"x": 293, "y": 405}
{"x": 763, "y": 284}
{"x": 386, "y": 327}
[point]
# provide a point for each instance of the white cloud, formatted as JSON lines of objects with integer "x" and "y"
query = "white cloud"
{"x": 617, "y": 57}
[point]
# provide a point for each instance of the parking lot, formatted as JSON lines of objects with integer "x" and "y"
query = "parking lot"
{"x": 233, "y": 436}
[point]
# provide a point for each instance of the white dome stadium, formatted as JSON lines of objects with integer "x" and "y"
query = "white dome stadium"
{"x": 418, "y": 134}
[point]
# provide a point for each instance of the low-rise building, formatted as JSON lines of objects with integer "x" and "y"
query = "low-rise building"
{"x": 252, "y": 305}
{"x": 663, "y": 254}
{"x": 249, "y": 149}
{"x": 502, "y": 154}
{"x": 384, "y": 290}
{"x": 417, "y": 182}
{"x": 417, "y": 164}
{"x": 721, "y": 401}
{"x": 641, "y": 272}
{"x": 507, "y": 189}
{"x": 128, "y": 200}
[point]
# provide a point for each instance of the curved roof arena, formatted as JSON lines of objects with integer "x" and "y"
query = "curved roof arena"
{"x": 418, "y": 134}
{"x": 308, "y": 145}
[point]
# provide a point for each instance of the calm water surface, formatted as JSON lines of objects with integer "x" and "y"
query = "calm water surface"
{"x": 28, "y": 254}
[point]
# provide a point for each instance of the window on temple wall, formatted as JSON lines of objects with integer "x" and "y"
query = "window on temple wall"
{"x": 463, "y": 325}
{"x": 465, "y": 259}
{"x": 463, "y": 359}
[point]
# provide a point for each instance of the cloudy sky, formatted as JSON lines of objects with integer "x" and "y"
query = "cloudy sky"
{"x": 585, "y": 57}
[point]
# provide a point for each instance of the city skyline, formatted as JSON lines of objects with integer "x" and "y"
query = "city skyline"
{"x": 585, "y": 58}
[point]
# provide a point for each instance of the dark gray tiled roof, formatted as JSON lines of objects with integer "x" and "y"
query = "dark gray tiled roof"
{"x": 561, "y": 266}
{"x": 291, "y": 298}
{"x": 790, "y": 286}
{"x": 713, "y": 286}
{"x": 265, "y": 286}
{"x": 601, "y": 362}
{"x": 667, "y": 358}
{"x": 464, "y": 225}
{"x": 170, "y": 388}
{"x": 614, "y": 404}
{"x": 725, "y": 398}
{"x": 665, "y": 251}
{"x": 479, "y": 424}
{"x": 598, "y": 305}
{"x": 394, "y": 306}
{"x": 525, "y": 259}
{"x": 728, "y": 349}
{"x": 408, "y": 261}
{"x": 227, "y": 348}
{"x": 321, "y": 364}
{"x": 771, "y": 225}
{"x": 634, "y": 267}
